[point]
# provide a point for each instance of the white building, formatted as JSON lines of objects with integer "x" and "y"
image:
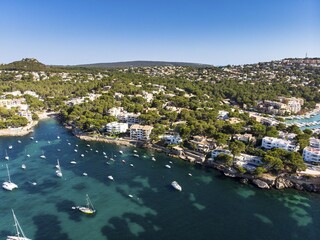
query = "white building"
{"x": 315, "y": 143}
{"x": 140, "y": 132}
{"x": 115, "y": 111}
{"x": 223, "y": 114}
{"x": 270, "y": 143}
{"x": 172, "y": 139}
{"x": 311, "y": 155}
{"x": 116, "y": 127}
{"x": 218, "y": 151}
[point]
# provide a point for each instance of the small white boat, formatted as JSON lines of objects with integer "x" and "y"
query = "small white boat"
{"x": 19, "y": 141}
{"x": 69, "y": 143}
{"x": 34, "y": 183}
{"x": 77, "y": 145}
{"x": 42, "y": 155}
{"x": 8, "y": 185}
{"x": 58, "y": 137}
{"x": 19, "y": 232}
{"x": 88, "y": 145}
{"x": 97, "y": 151}
{"x": 76, "y": 150}
{"x": 131, "y": 165}
{"x": 23, "y": 166}
{"x": 31, "y": 138}
{"x": 123, "y": 161}
{"x": 176, "y": 185}
{"x": 153, "y": 159}
{"x": 10, "y": 147}
{"x": 121, "y": 152}
{"x": 135, "y": 151}
{"x": 28, "y": 155}
{"x": 88, "y": 209}
{"x": 85, "y": 174}
{"x": 82, "y": 155}
{"x": 136, "y": 155}
{"x": 110, "y": 177}
{"x": 104, "y": 153}
{"x": 167, "y": 166}
{"x": 73, "y": 162}
{"x": 170, "y": 162}
{"x": 130, "y": 196}
{"x": 190, "y": 174}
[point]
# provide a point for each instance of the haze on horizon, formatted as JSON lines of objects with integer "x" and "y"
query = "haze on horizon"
{"x": 199, "y": 31}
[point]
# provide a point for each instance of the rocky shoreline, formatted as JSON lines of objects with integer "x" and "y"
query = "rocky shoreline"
{"x": 267, "y": 181}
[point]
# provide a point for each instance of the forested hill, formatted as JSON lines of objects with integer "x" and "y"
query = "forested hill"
{"x": 26, "y": 64}
{"x": 142, "y": 64}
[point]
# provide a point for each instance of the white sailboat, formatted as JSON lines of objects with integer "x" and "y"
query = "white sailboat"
{"x": 6, "y": 157}
{"x": 58, "y": 171}
{"x": 8, "y": 185}
{"x": 42, "y": 155}
{"x": 19, "y": 232}
{"x": 88, "y": 209}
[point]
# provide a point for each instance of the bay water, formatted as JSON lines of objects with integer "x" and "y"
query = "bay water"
{"x": 210, "y": 205}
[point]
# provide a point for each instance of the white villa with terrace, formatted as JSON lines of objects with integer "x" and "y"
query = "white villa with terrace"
{"x": 271, "y": 142}
{"x": 116, "y": 127}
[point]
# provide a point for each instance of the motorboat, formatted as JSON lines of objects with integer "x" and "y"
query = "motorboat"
{"x": 136, "y": 155}
{"x": 110, "y": 177}
{"x": 167, "y": 166}
{"x": 121, "y": 152}
{"x": 73, "y": 162}
{"x": 176, "y": 185}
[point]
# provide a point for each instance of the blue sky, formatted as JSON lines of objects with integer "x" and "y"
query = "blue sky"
{"x": 216, "y": 32}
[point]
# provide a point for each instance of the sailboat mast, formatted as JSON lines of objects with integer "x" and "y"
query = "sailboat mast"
{"x": 17, "y": 225}
{"x": 8, "y": 173}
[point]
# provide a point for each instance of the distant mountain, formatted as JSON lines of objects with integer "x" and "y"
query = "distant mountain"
{"x": 26, "y": 64}
{"x": 142, "y": 64}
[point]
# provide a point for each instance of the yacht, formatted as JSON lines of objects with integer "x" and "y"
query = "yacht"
{"x": 176, "y": 186}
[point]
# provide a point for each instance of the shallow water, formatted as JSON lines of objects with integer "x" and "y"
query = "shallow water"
{"x": 210, "y": 206}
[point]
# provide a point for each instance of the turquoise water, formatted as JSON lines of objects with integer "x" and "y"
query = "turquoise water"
{"x": 311, "y": 119}
{"x": 210, "y": 206}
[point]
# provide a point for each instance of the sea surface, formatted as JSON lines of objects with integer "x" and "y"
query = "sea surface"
{"x": 304, "y": 120}
{"x": 210, "y": 205}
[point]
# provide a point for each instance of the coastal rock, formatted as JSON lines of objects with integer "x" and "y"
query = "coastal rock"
{"x": 260, "y": 183}
{"x": 298, "y": 186}
{"x": 282, "y": 183}
{"x": 244, "y": 180}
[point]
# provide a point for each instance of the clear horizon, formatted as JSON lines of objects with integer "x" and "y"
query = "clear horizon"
{"x": 207, "y": 32}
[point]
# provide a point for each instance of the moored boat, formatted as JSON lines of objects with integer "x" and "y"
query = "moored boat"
{"x": 176, "y": 185}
